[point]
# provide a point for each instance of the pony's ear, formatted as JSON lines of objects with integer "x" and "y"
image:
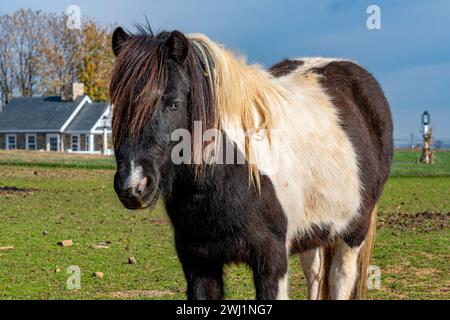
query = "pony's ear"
{"x": 178, "y": 46}
{"x": 118, "y": 38}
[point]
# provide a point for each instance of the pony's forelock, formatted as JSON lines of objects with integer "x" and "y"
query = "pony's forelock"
{"x": 137, "y": 84}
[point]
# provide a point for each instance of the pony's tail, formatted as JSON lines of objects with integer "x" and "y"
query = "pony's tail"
{"x": 364, "y": 255}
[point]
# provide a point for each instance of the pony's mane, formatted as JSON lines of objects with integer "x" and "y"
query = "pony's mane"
{"x": 245, "y": 94}
{"x": 224, "y": 88}
{"x": 241, "y": 90}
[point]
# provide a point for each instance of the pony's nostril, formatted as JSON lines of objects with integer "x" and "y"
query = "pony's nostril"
{"x": 149, "y": 182}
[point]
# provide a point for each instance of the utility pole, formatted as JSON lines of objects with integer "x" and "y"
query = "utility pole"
{"x": 427, "y": 155}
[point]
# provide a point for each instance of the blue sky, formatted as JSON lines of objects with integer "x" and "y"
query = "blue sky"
{"x": 410, "y": 55}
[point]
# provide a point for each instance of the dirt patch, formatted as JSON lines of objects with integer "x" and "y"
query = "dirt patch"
{"x": 158, "y": 221}
{"x": 140, "y": 294}
{"x": 420, "y": 222}
{"x": 15, "y": 190}
{"x": 40, "y": 173}
{"x": 424, "y": 271}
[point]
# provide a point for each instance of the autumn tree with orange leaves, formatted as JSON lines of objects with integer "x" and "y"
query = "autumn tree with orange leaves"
{"x": 96, "y": 61}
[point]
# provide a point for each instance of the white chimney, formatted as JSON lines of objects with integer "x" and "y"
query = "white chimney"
{"x": 77, "y": 90}
{"x": 71, "y": 93}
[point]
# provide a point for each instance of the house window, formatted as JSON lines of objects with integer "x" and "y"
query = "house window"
{"x": 11, "y": 142}
{"x": 75, "y": 142}
{"x": 86, "y": 143}
{"x": 52, "y": 142}
{"x": 31, "y": 142}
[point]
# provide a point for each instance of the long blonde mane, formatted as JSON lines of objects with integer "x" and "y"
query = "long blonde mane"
{"x": 246, "y": 95}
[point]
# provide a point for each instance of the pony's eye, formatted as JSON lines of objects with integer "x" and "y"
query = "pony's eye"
{"x": 175, "y": 106}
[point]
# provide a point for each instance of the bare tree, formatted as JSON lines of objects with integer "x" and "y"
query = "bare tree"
{"x": 6, "y": 59}
{"x": 40, "y": 55}
{"x": 27, "y": 38}
{"x": 61, "y": 54}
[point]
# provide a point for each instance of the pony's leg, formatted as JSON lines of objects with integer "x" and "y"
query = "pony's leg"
{"x": 312, "y": 262}
{"x": 344, "y": 271}
{"x": 283, "y": 287}
{"x": 204, "y": 280}
{"x": 270, "y": 273}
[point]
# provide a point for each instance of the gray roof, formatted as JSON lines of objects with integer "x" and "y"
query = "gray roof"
{"x": 37, "y": 113}
{"x": 49, "y": 114}
{"x": 87, "y": 117}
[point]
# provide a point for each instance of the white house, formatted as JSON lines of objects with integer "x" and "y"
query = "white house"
{"x": 61, "y": 124}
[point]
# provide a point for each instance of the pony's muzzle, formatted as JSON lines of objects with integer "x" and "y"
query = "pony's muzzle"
{"x": 133, "y": 199}
{"x": 138, "y": 195}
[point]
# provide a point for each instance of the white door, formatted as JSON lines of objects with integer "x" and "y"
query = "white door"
{"x": 53, "y": 143}
{"x": 75, "y": 142}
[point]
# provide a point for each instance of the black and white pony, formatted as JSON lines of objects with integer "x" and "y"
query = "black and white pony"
{"x": 296, "y": 164}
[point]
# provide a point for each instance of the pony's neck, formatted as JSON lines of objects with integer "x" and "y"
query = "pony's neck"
{"x": 180, "y": 180}
{"x": 190, "y": 178}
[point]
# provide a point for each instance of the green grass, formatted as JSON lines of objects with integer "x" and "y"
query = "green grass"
{"x": 76, "y": 203}
{"x": 416, "y": 194}
{"x": 406, "y": 163}
{"x": 56, "y": 160}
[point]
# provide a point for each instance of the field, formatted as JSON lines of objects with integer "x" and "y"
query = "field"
{"x": 46, "y": 198}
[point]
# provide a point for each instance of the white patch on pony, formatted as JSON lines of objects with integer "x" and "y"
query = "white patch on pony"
{"x": 317, "y": 181}
{"x": 135, "y": 177}
{"x": 312, "y": 262}
{"x": 283, "y": 288}
{"x": 344, "y": 271}
{"x": 316, "y": 62}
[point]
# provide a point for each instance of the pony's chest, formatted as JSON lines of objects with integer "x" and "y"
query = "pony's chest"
{"x": 207, "y": 231}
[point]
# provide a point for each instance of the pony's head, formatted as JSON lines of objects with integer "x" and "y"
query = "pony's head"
{"x": 170, "y": 81}
{"x": 158, "y": 85}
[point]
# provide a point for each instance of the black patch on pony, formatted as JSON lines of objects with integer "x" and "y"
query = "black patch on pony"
{"x": 285, "y": 67}
{"x": 219, "y": 220}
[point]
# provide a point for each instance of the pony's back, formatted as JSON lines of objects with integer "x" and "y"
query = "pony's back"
{"x": 346, "y": 81}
